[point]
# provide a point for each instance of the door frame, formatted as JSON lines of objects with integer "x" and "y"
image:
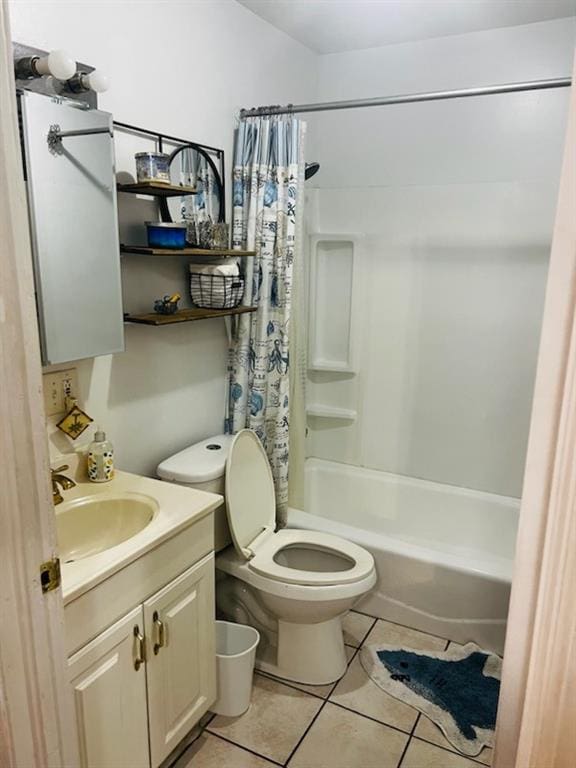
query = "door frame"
{"x": 37, "y": 726}
{"x": 537, "y": 709}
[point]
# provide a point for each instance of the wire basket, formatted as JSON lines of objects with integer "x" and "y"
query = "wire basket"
{"x": 216, "y": 291}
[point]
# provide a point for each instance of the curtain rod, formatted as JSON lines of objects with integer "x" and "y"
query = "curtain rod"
{"x": 383, "y": 101}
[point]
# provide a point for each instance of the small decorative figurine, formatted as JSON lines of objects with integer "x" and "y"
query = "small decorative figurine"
{"x": 168, "y": 305}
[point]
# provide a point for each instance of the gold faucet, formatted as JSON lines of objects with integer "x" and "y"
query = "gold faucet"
{"x": 62, "y": 480}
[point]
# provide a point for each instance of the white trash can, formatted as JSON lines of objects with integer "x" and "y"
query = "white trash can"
{"x": 235, "y": 653}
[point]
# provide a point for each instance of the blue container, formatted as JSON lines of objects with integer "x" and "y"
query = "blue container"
{"x": 164, "y": 235}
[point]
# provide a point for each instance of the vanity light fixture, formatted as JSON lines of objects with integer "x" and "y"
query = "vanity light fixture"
{"x": 88, "y": 81}
{"x": 57, "y": 63}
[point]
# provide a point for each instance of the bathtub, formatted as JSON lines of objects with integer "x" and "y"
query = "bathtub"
{"x": 443, "y": 554}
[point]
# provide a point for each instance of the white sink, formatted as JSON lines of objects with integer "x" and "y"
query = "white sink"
{"x": 92, "y": 524}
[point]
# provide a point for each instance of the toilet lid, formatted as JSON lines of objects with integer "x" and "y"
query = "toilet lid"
{"x": 250, "y": 497}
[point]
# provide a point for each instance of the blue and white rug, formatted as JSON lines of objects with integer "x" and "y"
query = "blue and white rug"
{"x": 457, "y": 689}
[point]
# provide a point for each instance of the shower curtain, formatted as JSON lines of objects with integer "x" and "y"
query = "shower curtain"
{"x": 267, "y": 197}
{"x": 196, "y": 172}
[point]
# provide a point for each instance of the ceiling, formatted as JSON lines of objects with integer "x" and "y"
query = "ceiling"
{"x": 332, "y": 26}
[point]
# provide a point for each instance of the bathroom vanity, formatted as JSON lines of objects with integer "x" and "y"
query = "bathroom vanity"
{"x": 139, "y": 616}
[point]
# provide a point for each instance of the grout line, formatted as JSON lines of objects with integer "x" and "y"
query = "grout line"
{"x": 397, "y": 624}
{"x": 293, "y": 686}
{"x": 201, "y": 728}
{"x": 246, "y": 749}
{"x": 355, "y": 610}
{"x": 451, "y": 751}
{"x": 408, "y": 742}
{"x": 365, "y": 635}
{"x": 373, "y": 719}
{"x": 306, "y": 732}
{"x": 325, "y": 701}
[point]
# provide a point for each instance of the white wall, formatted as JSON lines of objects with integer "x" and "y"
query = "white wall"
{"x": 184, "y": 68}
{"x": 456, "y": 201}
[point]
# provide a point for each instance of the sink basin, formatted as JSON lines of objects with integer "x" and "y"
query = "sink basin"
{"x": 91, "y": 524}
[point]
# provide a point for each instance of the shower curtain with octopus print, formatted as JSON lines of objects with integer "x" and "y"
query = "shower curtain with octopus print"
{"x": 267, "y": 197}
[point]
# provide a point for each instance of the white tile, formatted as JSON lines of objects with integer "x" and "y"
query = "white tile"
{"x": 358, "y": 692}
{"x": 211, "y": 752}
{"x": 423, "y": 755}
{"x": 355, "y": 627}
{"x": 342, "y": 739}
{"x": 277, "y": 719}
{"x": 428, "y": 731}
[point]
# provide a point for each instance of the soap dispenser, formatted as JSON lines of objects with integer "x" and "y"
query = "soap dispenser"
{"x": 100, "y": 458}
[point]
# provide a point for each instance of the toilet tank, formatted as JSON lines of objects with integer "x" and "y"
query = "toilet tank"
{"x": 203, "y": 466}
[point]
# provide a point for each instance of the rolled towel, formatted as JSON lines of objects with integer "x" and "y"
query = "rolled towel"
{"x": 227, "y": 269}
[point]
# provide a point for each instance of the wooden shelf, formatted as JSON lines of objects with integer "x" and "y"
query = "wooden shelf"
{"x": 155, "y": 188}
{"x": 185, "y": 316}
{"x": 143, "y": 250}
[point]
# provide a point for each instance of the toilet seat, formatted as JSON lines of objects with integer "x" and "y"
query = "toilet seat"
{"x": 266, "y": 551}
{"x": 251, "y": 508}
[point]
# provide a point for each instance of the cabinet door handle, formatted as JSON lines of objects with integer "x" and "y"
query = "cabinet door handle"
{"x": 159, "y": 632}
{"x": 140, "y": 656}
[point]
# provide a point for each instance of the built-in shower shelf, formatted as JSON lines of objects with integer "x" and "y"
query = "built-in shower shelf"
{"x": 331, "y": 368}
{"x": 330, "y": 412}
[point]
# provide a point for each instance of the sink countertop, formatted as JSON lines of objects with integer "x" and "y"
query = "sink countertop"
{"x": 179, "y": 508}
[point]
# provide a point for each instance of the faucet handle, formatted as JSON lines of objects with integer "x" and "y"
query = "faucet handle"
{"x": 60, "y": 469}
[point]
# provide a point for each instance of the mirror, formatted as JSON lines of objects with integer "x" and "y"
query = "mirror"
{"x": 192, "y": 166}
{"x": 69, "y": 168}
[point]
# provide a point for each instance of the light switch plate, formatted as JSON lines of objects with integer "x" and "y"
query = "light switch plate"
{"x": 56, "y": 386}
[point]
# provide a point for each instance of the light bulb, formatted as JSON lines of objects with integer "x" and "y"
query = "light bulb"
{"x": 59, "y": 64}
{"x": 96, "y": 81}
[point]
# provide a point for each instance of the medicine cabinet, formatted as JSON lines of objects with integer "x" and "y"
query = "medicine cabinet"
{"x": 69, "y": 170}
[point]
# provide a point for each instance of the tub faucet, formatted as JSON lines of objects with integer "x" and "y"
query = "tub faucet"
{"x": 60, "y": 480}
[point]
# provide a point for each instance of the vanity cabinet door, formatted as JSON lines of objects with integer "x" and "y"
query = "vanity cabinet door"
{"x": 181, "y": 667}
{"x": 110, "y": 697}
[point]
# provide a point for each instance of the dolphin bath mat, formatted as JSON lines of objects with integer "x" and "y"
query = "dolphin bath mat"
{"x": 457, "y": 689}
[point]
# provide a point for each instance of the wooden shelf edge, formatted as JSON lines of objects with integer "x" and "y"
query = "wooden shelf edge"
{"x": 143, "y": 250}
{"x": 185, "y": 316}
{"x": 155, "y": 189}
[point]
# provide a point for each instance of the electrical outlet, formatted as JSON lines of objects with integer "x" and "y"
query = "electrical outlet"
{"x": 57, "y": 386}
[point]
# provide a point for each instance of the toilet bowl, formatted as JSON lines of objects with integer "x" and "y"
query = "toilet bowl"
{"x": 292, "y": 585}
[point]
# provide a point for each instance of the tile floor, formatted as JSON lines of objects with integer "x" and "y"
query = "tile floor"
{"x": 349, "y": 724}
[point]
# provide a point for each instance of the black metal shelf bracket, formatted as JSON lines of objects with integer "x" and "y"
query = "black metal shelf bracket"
{"x": 161, "y": 139}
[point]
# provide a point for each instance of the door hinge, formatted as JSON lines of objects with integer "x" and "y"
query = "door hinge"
{"x": 50, "y": 575}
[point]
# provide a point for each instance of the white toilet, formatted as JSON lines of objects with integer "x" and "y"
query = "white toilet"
{"x": 292, "y": 585}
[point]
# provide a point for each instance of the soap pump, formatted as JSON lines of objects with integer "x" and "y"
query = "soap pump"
{"x": 100, "y": 458}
